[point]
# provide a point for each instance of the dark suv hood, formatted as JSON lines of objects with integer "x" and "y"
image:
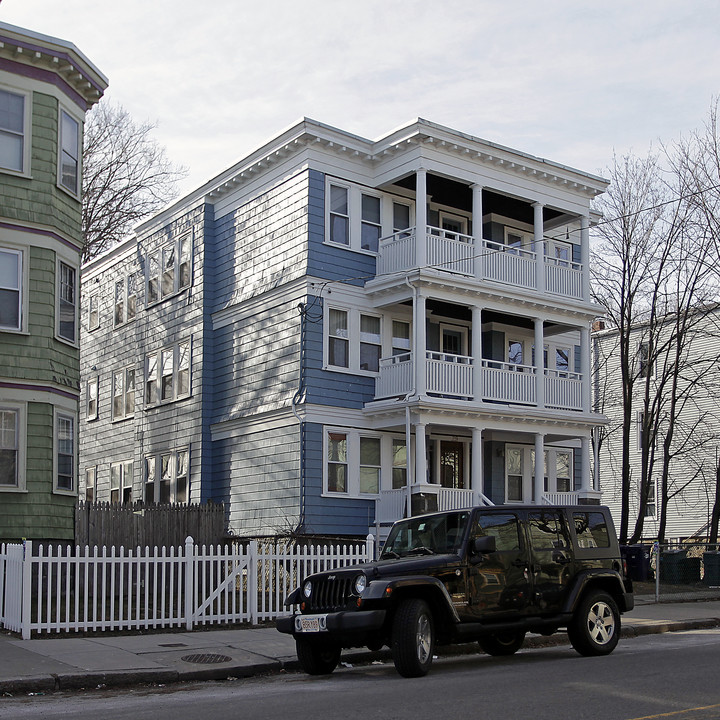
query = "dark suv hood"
{"x": 410, "y": 565}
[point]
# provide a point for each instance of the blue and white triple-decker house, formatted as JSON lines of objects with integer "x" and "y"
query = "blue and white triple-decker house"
{"x": 335, "y": 332}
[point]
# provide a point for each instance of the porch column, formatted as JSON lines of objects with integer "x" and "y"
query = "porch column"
{"x": 539, "y": 469}
{"x": 477, "y": 368}
{"x": 586, "y": 379}
{"x": 421, "y": 474}
{"x": 539, "y": 363}
{"x": 538, "y": 231}
{"x": 585, "y": 256}
{"x": 421, "y": 217}
{"x": 585, "y": 478}
{"x": 477, "y": 216}
{"x": 420, "y": 344}
{"x": 476, "y": 478}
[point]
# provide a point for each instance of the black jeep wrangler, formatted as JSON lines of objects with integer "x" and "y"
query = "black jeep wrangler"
{"x": 487, "y": 574}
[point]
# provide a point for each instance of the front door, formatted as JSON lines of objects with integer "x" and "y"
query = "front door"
{"x": 499, "y": 582}
{"x": 452, "y": 464}
{"x": 550, "y": 559}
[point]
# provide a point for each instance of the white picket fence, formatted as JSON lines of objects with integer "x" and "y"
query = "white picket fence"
{"x": 96, "y": 589}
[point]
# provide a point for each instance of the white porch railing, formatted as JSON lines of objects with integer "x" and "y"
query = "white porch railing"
{"x": 449, "y": 374}
{"x": 96, "y": 589}
{"x": 563, "y": 390}
{"x": 391, "y": 505}
{"x": 455, "y": 499}
{"x": 560, "y": 498}
{"x": 512, "y": 266}
{"x": 396, "y": 253}
{"x": 505, "y": 382}
{"x": 396, "y": 376}
{"x": 563, "y": 277}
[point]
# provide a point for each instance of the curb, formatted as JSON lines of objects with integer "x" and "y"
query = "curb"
{"x": 58, "y": 682}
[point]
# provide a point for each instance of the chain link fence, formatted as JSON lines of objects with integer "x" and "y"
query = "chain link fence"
{"x": 674, "y": 572}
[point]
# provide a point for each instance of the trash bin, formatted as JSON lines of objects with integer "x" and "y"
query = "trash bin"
{"x": 711, "y": 561}
{"x": 637, "y": 558}
{"x": 676, "y": 568}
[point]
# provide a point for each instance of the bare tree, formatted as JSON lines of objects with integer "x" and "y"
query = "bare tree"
{"x": 126, "y": 176}
{"x": 655, "y": 275}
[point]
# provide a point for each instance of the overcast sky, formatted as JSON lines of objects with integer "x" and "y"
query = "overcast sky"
{"x": 568, "y": 80}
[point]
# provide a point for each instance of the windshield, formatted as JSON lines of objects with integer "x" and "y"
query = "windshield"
{"x": 426, "y": 535}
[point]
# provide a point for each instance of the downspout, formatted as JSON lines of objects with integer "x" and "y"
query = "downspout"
{"x": 410, "y": 465}
{"x": 297, "y": 397}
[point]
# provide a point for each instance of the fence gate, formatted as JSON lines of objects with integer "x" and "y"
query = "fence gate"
{"x": 222, "y": 579}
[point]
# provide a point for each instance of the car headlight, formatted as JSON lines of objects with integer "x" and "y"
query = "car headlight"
{"x": 307, "y": 589}
{"x": 360, "y": 584}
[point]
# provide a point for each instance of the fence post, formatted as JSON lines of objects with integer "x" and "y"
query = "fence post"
{"x": 370, "y": 547}
{"x": 657, "y": 572}
{"x": 26, "y": 590}
{"x": 252, "y": 581}
{"x": 189, "y": 581}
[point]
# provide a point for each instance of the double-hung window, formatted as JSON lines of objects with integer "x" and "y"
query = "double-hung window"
{"x": 353, "y": 340}
{"x": 12, "y": 131}
{"x": 11, "y": 276}
{"x": 64, "y": 452}
{"x": 69, "y": 170}
{"x": 67, "y": 302}
{"x": 9, "y": 447}
{"x": 91, "y": 483}
{"x": 93, "y": 312}
{"x": 354, "y": 216}
{"x": 121, "y": 482}
{"x": 371, "y": 227}
{"x": 125, "y": 299}
{"x": 167, "y": 374}
{"x": 169, "y": 269}
{"x": 91, "y": 397}
{"x": 123, "y": 393}
{"x": 167, "y": 477}
{"x": 339, "y": 215}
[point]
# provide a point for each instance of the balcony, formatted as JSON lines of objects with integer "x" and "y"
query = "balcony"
{"x": 460, "y": 255}
{"x": 452, "y": 376}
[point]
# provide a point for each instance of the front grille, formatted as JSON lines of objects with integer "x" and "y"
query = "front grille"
{"x": 330, "y": 593}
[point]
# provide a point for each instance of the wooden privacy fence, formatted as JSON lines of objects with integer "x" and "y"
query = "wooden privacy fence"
{"x": 140, "y": 525}
{"x": 43, "y": 590}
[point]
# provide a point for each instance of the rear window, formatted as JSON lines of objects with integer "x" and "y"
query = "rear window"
{"x": 591, "y": 530}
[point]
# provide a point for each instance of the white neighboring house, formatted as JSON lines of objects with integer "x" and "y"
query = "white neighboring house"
{"x": 692, "y": 478}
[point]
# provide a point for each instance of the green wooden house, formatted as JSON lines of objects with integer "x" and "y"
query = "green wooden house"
{"x": 46, "y": 87}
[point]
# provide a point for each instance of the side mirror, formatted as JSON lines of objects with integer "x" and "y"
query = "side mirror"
{"x": 484, "y": 545}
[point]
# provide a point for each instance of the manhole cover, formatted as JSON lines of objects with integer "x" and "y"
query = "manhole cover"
{"x": 206, "y": 658}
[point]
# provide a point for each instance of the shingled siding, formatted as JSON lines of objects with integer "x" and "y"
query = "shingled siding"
{"x": 37, "y": 514}
{"x": 41, "y": 357}
{"x": 257, "y": 472}
{"x": 178, "y": 317}
{"x": 38, "y": 199}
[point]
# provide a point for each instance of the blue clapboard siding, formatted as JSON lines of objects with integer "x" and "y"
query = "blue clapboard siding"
{"x": 329, "y": 515}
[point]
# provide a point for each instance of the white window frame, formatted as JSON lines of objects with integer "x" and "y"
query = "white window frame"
{"x": 158, "y": 460}
{"x": 355, "y": 219}
{"x": 125, "y": 314}
{"x": 651, "y": 506}
{"x": 182, "y": 273}
{"x": 353, "y": 465}
{"x": 26, "y": 131}
{"x": 527, "y": 240}
{"x": 92, "y": 388}
{"x": 64, "y": 416}
{"x": 528, "y": 469}
{"x": 125, "y": 474}
{"x": 21, "y": 284}
{"x": 90, "y": 483}
{"x": 354, "y": 338}
{"x": 59, "y": 300}
{"x": 125, "y": 394}
{"x": 20, "y": 442}
{"x": 75, "y": 190}
{"x": 93, "y": 312}
{"x": 175, "y": 375}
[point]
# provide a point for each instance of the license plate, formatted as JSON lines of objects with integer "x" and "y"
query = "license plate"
{"x": 310, "y": 624}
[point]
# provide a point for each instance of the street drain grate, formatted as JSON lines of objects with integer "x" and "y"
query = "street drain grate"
{"x": 206, "y": 659}
{"x": 173, "y": 644}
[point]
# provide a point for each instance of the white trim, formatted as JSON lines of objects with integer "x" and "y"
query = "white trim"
{"x": 21, "y": 440}
{"x": 353, "y": 338}
{"x": 12, "y": 89}
{"x": 78, "y": 119}
{"x": 22, "y": 290}
{"x": 76, "y": 303}
{"x": 93, "y": 380}
{"x": 57, "y": 414}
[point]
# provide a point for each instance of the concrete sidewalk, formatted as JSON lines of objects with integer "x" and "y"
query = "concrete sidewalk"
{"x": 70, "y": 663}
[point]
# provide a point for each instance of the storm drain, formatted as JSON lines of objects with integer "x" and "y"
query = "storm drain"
{"x": 206, "y": 658}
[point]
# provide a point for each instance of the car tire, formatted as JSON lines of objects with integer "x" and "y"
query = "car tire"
{"x": 595, "y": 626}
{"x": 317, "y": 658}
{"x": 504, "y": 643}
{"x": 413, "y": 638}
